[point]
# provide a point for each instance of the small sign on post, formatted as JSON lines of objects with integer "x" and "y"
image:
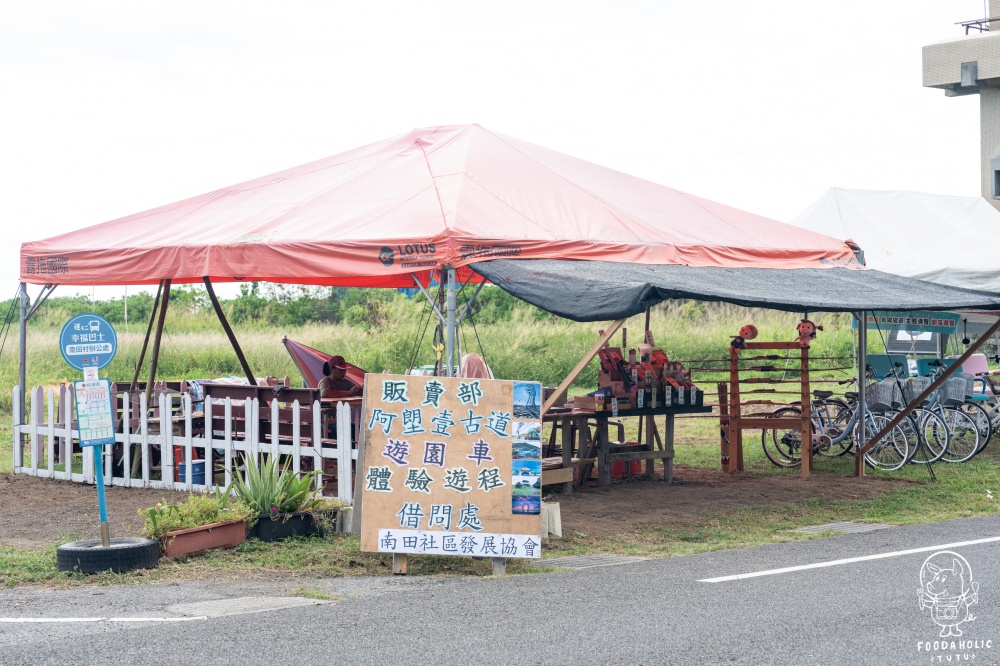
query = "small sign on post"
{"x": 88, "y": 342}
{"x": 452, "y": 466}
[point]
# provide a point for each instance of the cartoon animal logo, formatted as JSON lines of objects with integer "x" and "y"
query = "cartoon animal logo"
{"x": 807, "y": 332}
{"x": 948, "y": 591}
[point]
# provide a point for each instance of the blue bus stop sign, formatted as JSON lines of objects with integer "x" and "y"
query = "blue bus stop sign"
{"x": 88, "y": 340}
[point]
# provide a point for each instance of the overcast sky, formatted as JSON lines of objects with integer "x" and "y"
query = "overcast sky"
{"x": 112, "y": 108}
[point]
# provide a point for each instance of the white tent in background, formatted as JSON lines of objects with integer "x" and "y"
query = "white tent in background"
{"x": 949, "y": 240}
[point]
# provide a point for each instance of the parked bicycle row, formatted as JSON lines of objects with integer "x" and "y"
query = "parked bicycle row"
{"x": 954, "y": 424}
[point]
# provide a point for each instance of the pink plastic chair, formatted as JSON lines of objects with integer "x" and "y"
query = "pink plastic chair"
{"x": 978, "y": 367}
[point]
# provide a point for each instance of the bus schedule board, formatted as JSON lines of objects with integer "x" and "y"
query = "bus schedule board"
{"x": 452, "y": 466}
{"x": 94, "y": 412}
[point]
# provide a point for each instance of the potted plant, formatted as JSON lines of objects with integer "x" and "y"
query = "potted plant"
{"x": 199, "y": 523}
{"x": 286, "y": 505}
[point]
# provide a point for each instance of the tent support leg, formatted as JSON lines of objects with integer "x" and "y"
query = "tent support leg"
{"x": 153, "y": 360}
{"x": 46, "y": 292}
{"x": 450, "y": 324}
{"x": 859, "y": 463}
{"x": 157, "y": 337}
{"x": 229, "y": 331}
{"x": 22, "y": 354}
{"x": 145, "y": 340}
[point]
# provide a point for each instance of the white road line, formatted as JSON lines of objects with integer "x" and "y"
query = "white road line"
{"x": 849, "y": 560}
{"x": 43, "y": 620}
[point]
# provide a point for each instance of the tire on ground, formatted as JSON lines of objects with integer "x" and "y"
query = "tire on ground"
{"x": 124, "y": 554}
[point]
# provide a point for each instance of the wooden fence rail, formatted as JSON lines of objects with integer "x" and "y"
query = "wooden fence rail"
{"x": 48, "y": 437}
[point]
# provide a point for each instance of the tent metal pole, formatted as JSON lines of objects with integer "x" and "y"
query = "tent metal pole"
{"x": 153, "y": 360}
{"x": 229, "y": 331}
{"x": 430, "y": 299}
{"x": 450, "y": 338}
{"x": 158, "y": 336}
{"x": 862, "y": 390}
{"x": 46, "y": 292}
{"x": 22, "y": 352}
{"x": 145, "y": 340}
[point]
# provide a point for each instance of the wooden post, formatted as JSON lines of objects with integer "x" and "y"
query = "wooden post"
{"x": 583, "y": 437}
{"x": 229, "y": 331}
{"x": 648, "y": 439}
{"x": 499, "y": 566}
{"x": 724, "y": 432}
{"x": 591, "y": 353}
{"x": 734, "y": 409}
{"x": 603, "y": 470}
{"x": 399, "y": 564}
{"x": 668, "y": 449}
{"x": 807, "y": 445}
{"x": 567, "y": 450}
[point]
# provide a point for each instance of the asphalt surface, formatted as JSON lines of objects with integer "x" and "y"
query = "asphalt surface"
{"x": 651, "y": 612}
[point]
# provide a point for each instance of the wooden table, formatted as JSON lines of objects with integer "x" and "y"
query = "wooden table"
{"x": 653, "y": 445}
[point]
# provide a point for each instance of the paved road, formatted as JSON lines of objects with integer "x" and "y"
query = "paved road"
{"x": 652, "y": 612}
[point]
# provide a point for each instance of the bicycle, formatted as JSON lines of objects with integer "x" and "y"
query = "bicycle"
{"x": 834, "y": 421}
{"x": 963, "y": 440}
{"x": 927, "y": 427}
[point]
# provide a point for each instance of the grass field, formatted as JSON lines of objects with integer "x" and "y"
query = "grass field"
{"x": 523, "y": 346}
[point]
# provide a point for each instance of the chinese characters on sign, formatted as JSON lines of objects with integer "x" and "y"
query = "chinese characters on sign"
{"x": 932, "y": 322}
{"x": 88, "y": 340}
{"x": 452, "y": 466}
{"x": 46, "y": 266}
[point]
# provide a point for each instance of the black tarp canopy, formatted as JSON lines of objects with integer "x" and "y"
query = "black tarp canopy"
{"x": 602, "y": 290}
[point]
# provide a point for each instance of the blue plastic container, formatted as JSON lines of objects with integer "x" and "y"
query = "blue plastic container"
{"x": 197, "y": 473}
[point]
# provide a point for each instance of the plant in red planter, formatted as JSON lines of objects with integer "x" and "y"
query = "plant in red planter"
{"x": 286, "y": 504}
{"x": 199, "y": 523}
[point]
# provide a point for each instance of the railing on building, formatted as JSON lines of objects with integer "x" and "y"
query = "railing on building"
{"x": 982, "y": 25}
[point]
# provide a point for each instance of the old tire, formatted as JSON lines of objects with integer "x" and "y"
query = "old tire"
{"x": 124, "y": 554}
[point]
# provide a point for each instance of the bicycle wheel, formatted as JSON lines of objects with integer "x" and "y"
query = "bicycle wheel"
{"x": 963, "y": 436}
{"x": 889, "y": 453}
{"x": 981, "y": 417}
{"x": 832, "y": 419}
{"x": 783, "y": 446}
{"x": 932, "y": 433}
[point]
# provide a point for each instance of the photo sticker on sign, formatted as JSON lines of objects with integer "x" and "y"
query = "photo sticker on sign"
{"x": 441, "y": 463}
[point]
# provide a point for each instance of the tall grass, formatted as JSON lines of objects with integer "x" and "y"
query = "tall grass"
{"x": 523, "y": 344}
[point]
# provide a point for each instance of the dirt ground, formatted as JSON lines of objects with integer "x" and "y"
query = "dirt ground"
{"x": 41, "y": 512}
{"x": 696, "y": 494}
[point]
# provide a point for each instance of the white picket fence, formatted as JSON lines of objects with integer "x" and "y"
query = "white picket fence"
{"x": 49, "y": 441}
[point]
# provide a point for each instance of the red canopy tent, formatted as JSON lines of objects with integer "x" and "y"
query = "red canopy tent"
{"x": 434, "y": 197}
{"x": 386, "y": 214}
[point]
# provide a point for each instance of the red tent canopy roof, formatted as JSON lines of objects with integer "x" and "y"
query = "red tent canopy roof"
{"x": 433, "y": 197}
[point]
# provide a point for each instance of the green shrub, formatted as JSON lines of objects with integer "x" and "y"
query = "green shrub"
{"x": 273, "y": 489}
{"x": 195, "y": 511}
